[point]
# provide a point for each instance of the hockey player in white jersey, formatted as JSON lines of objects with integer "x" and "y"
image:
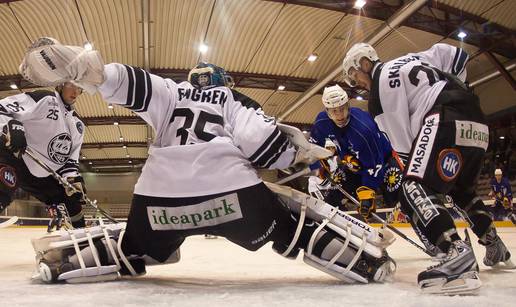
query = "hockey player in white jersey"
{"x": 199, "y": 178}
{"x": 45, "y": 122}
{"x": 435, "y": 122}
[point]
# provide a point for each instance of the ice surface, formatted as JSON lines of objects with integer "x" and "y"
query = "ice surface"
{"x": 218, "y": 273}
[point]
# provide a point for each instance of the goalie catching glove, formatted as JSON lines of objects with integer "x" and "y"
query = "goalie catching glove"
{"x": 14, "y": 137}
{"x": 49, "y": 63}
{"x": 366, "y": 196}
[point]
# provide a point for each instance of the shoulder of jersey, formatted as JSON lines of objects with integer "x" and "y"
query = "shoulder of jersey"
{"x": 39, "y": 95}
{"x": 244, "y": 100}
{"x": 322, "y": 116}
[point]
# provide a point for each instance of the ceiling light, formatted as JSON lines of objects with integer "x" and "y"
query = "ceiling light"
{"x": 305, "y": 132}
{"x": 83, "y": 157}
{"x": 130, "y": 161}
{"x": 203, "y": 48}
{"x": 127, "y": 156}
{"x": 462, "y": 34}
{"x": 90, "y": 163}
{"x": 121, "y": 138}
{"x": 115, "y": 123}
{"x": 312, "y": 57}
{"x": 502, "y": 137}
{"x": 281, "y": 87}
{"x": 124, "y": 147}
{"x": 359, "y": 4}
{"x": 110, "y": 106}
{"x": 360, "y": 98}
{"x": 14, "y": 86}
{"x": 88, "y": 46}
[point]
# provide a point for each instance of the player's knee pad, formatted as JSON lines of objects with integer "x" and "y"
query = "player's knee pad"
{"x": 86, "y": 255}
{"x": 427, "y": 213}
{"x": 337, "y": 243}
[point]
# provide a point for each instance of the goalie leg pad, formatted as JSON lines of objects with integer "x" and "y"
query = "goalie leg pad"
{"x": 317, "y": 210}
{"x": 87, "y": 255}
{"x": 338, "y": 244}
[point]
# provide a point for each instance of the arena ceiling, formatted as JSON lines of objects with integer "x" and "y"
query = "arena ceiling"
{"x": 264, "y": 44}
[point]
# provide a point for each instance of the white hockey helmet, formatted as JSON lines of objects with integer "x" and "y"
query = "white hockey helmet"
{"x": 334, "y": 96}
{"x": 498, "y": 172}
{"x": 353, "y": 57}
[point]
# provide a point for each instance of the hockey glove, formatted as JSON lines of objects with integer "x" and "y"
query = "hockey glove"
{"x": 506, "y": 203}
{"x": 14, "y": 136}
{"x": 49, "y": 63}
{"x": 3, "y": 206}
{"x": 78, "y": 183}
{"x": 366, "y": 196}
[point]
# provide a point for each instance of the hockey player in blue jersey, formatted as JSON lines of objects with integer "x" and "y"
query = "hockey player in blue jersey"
{"x": 363, "y": 150}
{"x": 502, "y": 194}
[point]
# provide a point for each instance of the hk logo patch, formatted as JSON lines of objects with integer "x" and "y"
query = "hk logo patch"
{"x": 449, "y": 164}
{"x": 8, "y": 176}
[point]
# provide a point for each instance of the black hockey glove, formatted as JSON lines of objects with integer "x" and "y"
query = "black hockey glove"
{"x": 3, "y": 206}
{"x": 14, "y": 137}
{"x": 78, "y": 183}
{"x": 366, "y": 196}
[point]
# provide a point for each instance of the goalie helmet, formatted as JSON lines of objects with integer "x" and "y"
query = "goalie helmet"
{"x": 334, "y": 97}
{"x": 206, "y": 75}
{"x": 353, "y": 57}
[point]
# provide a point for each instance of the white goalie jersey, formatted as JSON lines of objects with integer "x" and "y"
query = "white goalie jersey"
{"x": 207, "y": 141}
{"x": 405, "y": 89}
{"x": 53, "y": 131}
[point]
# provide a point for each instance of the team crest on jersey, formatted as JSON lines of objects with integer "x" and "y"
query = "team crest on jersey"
{"x": 80, "y": 127}
{"x": 449, "y": 164}
{"x": 8, "y": 176}
{"x": 392, "y": 179}
{"x": 59, "y": 148}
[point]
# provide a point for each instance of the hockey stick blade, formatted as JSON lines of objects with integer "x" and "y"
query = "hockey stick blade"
{"x": 9, "y": 222}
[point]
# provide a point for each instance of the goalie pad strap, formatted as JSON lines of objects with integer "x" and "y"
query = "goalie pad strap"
{"x": 299, "y": 228}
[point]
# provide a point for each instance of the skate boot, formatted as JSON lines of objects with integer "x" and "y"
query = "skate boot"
{"x": 496, "y": 251}
{"x": 457, "y": 273}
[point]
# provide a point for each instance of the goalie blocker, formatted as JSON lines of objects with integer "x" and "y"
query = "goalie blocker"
{"x": 335, "y": 243}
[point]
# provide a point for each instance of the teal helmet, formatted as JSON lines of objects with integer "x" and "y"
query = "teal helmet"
{"x": 206, "y": 75}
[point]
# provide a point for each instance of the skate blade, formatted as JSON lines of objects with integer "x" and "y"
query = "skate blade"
{"x": 467, "y": 283}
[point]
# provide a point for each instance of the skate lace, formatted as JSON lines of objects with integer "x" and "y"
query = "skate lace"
{"x": 444, "y": 260}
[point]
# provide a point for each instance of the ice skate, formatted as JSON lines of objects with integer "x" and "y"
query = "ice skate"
{"x": 456, "y": 274}
{"x": 497, "y": 255}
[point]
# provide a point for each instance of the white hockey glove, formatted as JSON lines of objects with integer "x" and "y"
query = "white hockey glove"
{"x": 49, "y": 63}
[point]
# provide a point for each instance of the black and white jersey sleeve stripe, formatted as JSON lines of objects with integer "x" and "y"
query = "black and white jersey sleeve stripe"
{"x": 459, "y": 61}
{"x": 270, "y": 150}
{"x": 71, "y": 166}
{"x": 139, "y": 90}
